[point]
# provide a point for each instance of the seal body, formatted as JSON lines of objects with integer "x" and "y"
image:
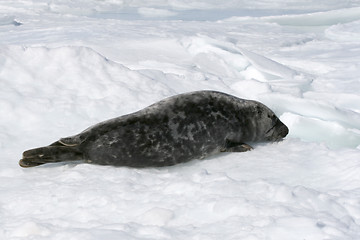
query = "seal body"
{"x": 175, "y": 130}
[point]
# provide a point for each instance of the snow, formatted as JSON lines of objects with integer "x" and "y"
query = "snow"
{"x": 65, "y": 65}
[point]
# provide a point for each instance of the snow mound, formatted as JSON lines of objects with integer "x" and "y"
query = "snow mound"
{"x": 67, "y": 86}
{"x": 94, "y": 83}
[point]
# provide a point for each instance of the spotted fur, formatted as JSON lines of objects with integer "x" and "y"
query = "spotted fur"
{"x": 175, "y": 130}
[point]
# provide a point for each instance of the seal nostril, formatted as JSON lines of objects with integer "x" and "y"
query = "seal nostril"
{"x": 284, "y": 131}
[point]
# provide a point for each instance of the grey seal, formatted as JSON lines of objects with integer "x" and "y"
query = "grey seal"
{"x": 174, "y": 130}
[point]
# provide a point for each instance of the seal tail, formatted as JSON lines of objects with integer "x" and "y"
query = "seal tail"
{"x": 50, "y": 154}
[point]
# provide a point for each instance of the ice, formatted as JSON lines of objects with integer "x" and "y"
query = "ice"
{"x": 65, "y": 65}
{"x": 154, "y": 12}
{"x": 9, "y": 20}
{"x": 327, "y": 18}
{"x": 31, "y": 228}
{"x": 313, "y": 129}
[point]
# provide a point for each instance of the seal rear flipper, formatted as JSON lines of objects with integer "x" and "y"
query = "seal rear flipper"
{"x": 29, "y": 163}
{"x": 232, "y": 146}
{"x": 50, "y": 154}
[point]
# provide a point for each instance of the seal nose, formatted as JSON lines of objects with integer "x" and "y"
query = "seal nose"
{"x": 281, "y": 130}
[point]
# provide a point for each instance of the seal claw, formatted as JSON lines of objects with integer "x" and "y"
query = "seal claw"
{"x": 26, "y": 163}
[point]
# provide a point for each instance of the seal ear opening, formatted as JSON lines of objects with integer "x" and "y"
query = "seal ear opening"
{"x": 50, "y": 154}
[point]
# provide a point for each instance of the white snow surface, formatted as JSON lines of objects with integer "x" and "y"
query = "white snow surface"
{"x": 65, "y": 65}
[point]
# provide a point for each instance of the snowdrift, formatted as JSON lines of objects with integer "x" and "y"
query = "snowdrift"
{"x": 66, "y": 65}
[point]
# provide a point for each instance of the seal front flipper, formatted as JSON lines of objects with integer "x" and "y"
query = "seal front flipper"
{"x": 233, "y": 146}
{"x": 56, "y": 152}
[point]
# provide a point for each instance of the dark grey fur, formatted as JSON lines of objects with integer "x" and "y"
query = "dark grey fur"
{"x": 175, "y": 130}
